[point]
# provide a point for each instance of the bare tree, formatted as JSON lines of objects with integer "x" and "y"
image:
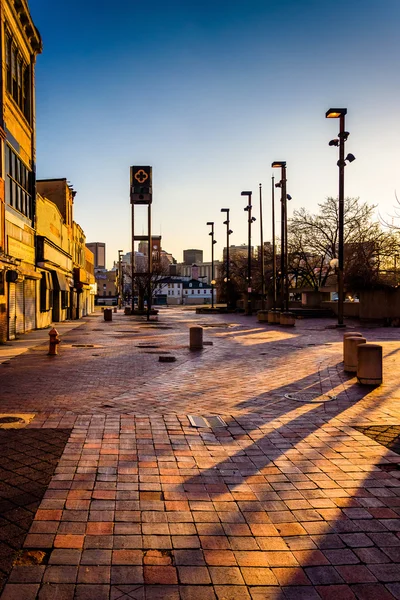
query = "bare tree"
{"x": 313, "y": 243}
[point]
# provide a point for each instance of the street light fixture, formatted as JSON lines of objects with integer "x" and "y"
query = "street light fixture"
{"x": 250, "y": 221}
{"x": 340, "y": 113}
{"x": 211, "y": 223}
{"x": 227, "y": 278}
{"x": 281, "y": 164}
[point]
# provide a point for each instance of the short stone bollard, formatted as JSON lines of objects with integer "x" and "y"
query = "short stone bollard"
{"x": 369, "y": 364}
{"x": 262, "y": 316}
{"x": 350, "y": 334}
{"x": 287, "y": 319}
{"x": 196, "y": 338}
{"x": 127, "y": 310}
{"x": 350, "y": 353}
{"x": 108, "y": 314}
{"x": 115, "y": 309}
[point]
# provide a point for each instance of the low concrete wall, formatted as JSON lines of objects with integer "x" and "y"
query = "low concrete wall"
{"x": 350, "y": 309}
{"x": 380, "y": 304}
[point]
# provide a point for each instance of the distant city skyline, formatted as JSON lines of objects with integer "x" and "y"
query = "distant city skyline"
{"x": 210, "y": 93}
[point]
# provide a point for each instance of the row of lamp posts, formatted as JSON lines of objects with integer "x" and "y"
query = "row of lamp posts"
{"x": 332, "y": 113}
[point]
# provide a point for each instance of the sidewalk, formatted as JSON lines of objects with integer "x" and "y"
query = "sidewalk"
{"x": 34, "y": 338}
{"x": 289, "y": 500}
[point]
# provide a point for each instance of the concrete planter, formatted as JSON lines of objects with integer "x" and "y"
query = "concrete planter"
{"x": 287, "y": 319}
{"x": 262, "y": 316}
{"x": 127, "y": 310}
{"x": 274, "y": 317}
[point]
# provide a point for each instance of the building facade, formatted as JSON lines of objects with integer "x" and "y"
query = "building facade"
{"x": 204, "y": 270}
{"x": 20, "y": 45}
{"x": 99, "y": 252}
{"x": 192, "y": 256}
{"x": 54, "y": 263}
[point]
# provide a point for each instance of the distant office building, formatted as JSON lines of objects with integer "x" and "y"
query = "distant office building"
{"x": 202, "y": 271}
{"x": 99, "y": 251}
{"x": 236, "y": 252}
{"x": 192, "y": 256}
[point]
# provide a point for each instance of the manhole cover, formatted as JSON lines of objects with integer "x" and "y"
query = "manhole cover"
{"x": 11, "y": 420}
{"x": 310, "y": 397}
{"x": 15, "y": 421}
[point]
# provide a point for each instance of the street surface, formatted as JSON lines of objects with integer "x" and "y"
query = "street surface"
{"x": 289, "y": 500}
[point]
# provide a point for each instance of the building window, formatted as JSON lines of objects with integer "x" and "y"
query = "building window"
{"x": 18, "y": 77}
{"x": 205, "y": 291}
{"x": 198, "y": 291}
{"x": 64, "y": 299}
{"x": 18, "y": 184}
{"x": 46, "y": 293}
{"x": 192, "y": 291}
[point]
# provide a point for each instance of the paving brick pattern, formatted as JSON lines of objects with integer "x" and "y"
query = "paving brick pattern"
{"x": 287, "y": 501}
{"x": 387, "y": 435}
{"x": 28, "y": 459}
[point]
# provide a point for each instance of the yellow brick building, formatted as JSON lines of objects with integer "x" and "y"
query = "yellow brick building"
{"x": 20, "y": 45}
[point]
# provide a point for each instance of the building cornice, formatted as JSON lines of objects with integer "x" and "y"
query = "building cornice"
{"x": 21, "y": 11}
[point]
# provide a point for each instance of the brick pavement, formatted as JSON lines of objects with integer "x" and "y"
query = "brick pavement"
{"x": 27, "y": 462}
{"x": 287, "y": 501}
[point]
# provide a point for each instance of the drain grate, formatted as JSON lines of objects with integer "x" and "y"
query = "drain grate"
{"x": 209, "y": 422}
{"x": 147, "y": 346}
{"x": 167, "y": 359}
{"x": 310, "y": 397}
{"x": 82, "y": 345}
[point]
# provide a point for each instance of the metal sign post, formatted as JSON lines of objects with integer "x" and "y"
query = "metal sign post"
{"x": 141, "y": 193}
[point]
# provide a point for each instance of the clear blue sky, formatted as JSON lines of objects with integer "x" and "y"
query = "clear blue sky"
{"x": 210, "y": 92}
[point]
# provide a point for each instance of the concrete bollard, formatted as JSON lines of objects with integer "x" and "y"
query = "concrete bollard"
{"x": 127, "y": 310}
{"x": 287, "y": 319}
{"x": 369, "y": 364}
{"x": 262, "y": 316}
{"x": 108, "y": 314}
{"x": 350, "y": 334}
{"x": 196, "y": 338}
{"x": 53, "y": 342}
{"x": 115, "y": 309}
{"x": 350, "y": 353}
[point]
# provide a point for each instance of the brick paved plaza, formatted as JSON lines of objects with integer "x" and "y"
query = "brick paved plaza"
{"x": 290, "y": 500}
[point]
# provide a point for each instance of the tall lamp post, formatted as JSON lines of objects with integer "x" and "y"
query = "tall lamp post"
{"x": 262, "y": 253}
{"x": 228, "y": 281}
{"x": 281, "y": 164}
{"x": 120, "y": 284}
{"x": 273, "y": 243}
{"x": 250, "y": 220}
{"x": 340, "y": 113}
{"x": 211, "y": 223}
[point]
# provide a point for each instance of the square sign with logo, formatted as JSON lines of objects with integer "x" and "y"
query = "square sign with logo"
{"x": 141, "y": 185}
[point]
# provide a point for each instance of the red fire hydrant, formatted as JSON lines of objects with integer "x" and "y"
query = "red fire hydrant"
{"x": 54, "y": 341}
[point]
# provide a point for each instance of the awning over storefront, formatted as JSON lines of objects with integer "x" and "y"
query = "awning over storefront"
{"x": 60, "y": 281}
